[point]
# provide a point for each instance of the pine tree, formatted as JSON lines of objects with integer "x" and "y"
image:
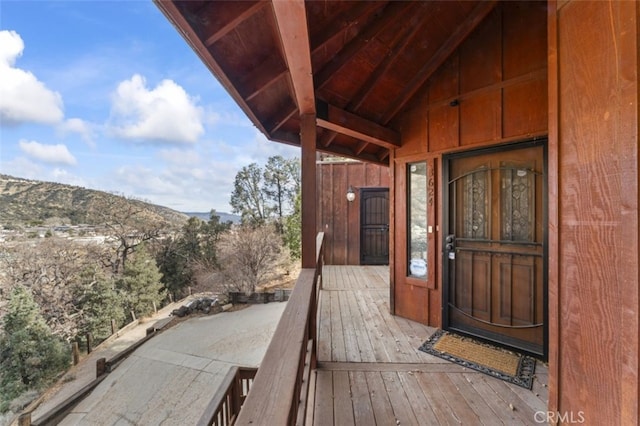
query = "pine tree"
{"x": 30, "y": 355}
{"x": 100, "y": 303}
{"x": 140, "y": 284}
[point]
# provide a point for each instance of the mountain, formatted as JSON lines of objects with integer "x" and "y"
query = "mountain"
{"x": 224, "y": 217}
{"x": 31, "y": 202}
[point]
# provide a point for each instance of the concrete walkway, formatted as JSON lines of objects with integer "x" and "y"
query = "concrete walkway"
{"x": 171, "y": 378}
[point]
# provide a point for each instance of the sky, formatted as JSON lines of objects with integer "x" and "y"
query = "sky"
{"x": 107, "y": 95}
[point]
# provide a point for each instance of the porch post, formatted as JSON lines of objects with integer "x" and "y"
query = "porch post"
{"x": 308, "y": 160}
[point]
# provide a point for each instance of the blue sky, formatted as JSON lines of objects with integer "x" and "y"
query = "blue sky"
{"x": 107, "y": 95}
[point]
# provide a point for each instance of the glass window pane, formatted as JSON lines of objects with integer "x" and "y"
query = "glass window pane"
{"x": 417, "y": 218}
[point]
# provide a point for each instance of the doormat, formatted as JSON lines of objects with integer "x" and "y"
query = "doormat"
{"x": 496, "y": 362}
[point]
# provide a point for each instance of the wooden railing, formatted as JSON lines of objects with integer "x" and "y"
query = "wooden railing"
{"x": 280, "y": 390}
{"x": 225, "y": 405}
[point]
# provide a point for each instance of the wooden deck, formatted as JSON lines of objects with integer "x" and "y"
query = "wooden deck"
{"x": 370, "y": 370}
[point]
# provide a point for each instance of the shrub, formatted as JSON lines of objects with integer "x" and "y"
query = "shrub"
{"x": 250, "y": 256}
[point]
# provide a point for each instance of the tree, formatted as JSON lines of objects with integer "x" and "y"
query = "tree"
{"x": 176, "y": 256}
{"x": 128, "y": 226}
{"x": 50, "y": 268}
{"x": 31, "y": 356}
{"x": 140, "y": 284}
{"x": 99, "y": 303}
{"x": 211, "y": 232}
{"x": 192, "y": 256}
{"x": 247, "y": 197}
{"x": 281, "y": 183}
{"x": 250, "y": 256}
{"x": 177, "y": 272}
{"x": 292, "y": 234}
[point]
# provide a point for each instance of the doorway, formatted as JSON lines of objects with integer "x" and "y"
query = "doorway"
{"x": 495, "y": 246}
{"x": 374, "y": 226}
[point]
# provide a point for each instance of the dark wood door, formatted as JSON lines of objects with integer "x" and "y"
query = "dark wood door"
{"x": 495, "y": 285}
{"x": 374, "y": 226}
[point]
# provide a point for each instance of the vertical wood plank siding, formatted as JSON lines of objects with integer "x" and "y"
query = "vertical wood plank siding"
{"x": 338, "y": 218}
{"x": 596, "y": 324}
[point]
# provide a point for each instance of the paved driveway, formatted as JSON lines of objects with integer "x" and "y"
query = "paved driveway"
{"x": 171, "y": 378}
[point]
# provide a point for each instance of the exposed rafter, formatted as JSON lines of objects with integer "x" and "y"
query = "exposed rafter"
{"x": 282, "y": 116}
{"x": 482, "y": 9}
{"x": 392, "y": 15}
{"x": 327, "y": 138}
{"x": 291, "y": 22}
{"x": 341, "y": 121}
{"x": 341, "y": 24}
{"x": 403, "y": 37}
{"x": 222, "y": 24}
{"x": 263, "y": 76}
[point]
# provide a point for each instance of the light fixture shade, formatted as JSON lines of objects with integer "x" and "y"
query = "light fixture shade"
{"x": 351, "y": 195}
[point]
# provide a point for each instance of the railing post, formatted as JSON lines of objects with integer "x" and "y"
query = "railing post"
{"x": 75, "y": 352}
{"x": 101, "y": 367}
{"x": 89, "y": 343}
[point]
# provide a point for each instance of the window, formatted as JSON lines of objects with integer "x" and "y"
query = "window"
{"x": 417, "y": 220}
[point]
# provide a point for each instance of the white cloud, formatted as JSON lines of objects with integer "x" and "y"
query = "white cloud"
{"x": 23, "y": 98}
{"x": 55, "y": 154}
{"x": 165, "y": 114}
{"x": 22, "y": 167}
{"x": 63, "y": 176}
{"x": 187, "y": 158}
{"x": 81, "y": 127}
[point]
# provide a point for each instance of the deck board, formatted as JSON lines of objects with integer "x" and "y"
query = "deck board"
{"x": 370, "y": 371}
{"x": 342, "y": 405}
{"x": 398, "y": 398}
{"x": 382, "y": 408}
{"x": 421, "y": 407}
{"x": 362, "y": 408}
{"x": 323, "y": 407}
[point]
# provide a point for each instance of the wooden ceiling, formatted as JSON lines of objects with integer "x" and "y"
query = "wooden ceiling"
{"x": 354, "y": 64}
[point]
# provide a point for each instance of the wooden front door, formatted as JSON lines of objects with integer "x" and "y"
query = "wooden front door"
{"x": 374, "y": 226}
{"x": 495, "y": 246}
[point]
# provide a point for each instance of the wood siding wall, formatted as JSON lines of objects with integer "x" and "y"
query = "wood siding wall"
{"x": 336, "y": 217}
{"x": 593, "y": 277}
{"x": 492, "y": 90}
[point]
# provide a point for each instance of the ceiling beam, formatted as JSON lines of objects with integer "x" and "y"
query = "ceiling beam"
{"x": 341, "y": 121}
{"x": 291, "y": 25}
{"x": 343, "y": 151}
{"x": 482, "y": 9}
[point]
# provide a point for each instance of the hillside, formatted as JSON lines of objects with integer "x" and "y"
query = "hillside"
{"x": 30, "y": 202}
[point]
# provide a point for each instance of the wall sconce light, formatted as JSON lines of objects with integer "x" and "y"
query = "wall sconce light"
{"x": 351, "y": 195}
